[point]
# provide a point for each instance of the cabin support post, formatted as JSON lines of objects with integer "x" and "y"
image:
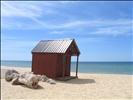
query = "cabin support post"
{"x": 77, "y": 66}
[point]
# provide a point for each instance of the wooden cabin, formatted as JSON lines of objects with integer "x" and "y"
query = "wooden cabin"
{"x": 53, "y": 58}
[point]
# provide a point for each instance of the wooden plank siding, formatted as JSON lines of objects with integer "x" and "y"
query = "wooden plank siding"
{"x": 44, "y": 64}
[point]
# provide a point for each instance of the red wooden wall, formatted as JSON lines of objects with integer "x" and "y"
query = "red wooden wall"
{"x": 44, "y": 64}
{"x": 51, "y": 65}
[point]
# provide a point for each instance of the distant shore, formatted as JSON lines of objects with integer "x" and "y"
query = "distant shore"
{"x": 86, "y": 86}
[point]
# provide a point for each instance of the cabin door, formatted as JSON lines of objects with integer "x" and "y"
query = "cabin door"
{"x": 67, "y": 65}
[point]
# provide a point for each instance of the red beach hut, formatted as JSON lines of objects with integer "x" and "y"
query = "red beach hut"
{"x": 53, "y": 58}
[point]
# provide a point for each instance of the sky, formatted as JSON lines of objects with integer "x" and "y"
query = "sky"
{"x": 101, "y": 29}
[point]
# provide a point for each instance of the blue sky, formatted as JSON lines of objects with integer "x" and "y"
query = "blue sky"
{"x": 101, "y": 29}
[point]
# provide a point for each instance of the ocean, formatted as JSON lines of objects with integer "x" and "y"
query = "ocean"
{"x": 85, "y": 67}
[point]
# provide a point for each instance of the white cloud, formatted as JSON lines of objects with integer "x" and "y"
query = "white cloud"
{"x": 27, "y": 10}
{"x": 16, "y": 49}
{"x": 116, "y": 27}
{"x": 72, "y": 24}
{"x": 116, "y": 30}
{"x": 8, "y": 43}
{"x": 14, "y": 9}
{"x": 12, "y": 13}
{"x": 90, "y": 40}
{"x": 64, "y": 2}
{"x": 59, "y": 32}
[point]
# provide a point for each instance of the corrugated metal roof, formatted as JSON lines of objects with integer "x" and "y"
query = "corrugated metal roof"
{"x": 53, "y": 46}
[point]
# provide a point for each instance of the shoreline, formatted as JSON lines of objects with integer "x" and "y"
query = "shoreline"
{"x": 86, "y": 86}
{"x": 29, "y": 69}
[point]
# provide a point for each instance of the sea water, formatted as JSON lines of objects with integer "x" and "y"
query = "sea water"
{"x": 105, "y": 67}
{"x": 85, "y": 67}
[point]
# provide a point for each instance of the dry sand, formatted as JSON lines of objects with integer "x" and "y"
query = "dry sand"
{"x": 85, "y": 87}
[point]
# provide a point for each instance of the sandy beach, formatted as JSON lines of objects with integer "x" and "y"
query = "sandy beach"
{"x": 86, "y": 86}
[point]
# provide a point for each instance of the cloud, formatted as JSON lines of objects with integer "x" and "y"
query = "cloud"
{"x": 114, "y": 27}
{"x": 59, "y": 32}
{"x": 16, "y": 49}
{"x": 116, "y": 30}
{"x": 90, "y": 40}
{"x": 36, "y": 16}
{"x": 12, "y": 11}
{"x": 8, "y": 43}
{"x": 64, "y": 2}
{"x": 26, "y": 8}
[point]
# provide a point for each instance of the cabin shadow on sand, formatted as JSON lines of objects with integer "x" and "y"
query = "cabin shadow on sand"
{"x": 81, "y": 81}
{"x": 39, "y": 87}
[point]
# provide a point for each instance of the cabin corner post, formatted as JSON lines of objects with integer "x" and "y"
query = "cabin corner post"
{"x": 77, "y": 66}
{"x": 32, "y": 63}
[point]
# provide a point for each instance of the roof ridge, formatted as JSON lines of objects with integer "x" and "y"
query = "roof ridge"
{"x": 58, "y": 39}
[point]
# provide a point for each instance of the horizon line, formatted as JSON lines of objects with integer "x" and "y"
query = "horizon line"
{"x": 73, "y": 61}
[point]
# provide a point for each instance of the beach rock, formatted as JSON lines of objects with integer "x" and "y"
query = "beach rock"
{"x": 28, "y": 72}
{"x": 51, "y": 81}
{"x": 43, "y": 78}
{"x": 14, "y": 71}
{"x": 29, "y": 80}
{"x": 15, "y": 81}
{"x": 39, "y": 77}
{"x": 9, "y": 74}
